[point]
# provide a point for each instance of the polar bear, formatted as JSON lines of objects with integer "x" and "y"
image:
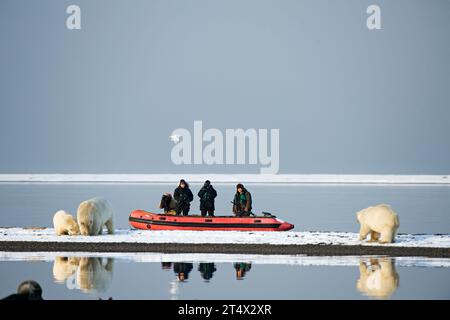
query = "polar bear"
{"x": 64, "y": 267}
{"x": 94, "y": 275}
{"x": 64, "y": 223}
{"x": 379, "y": 279}
{"x": 93, "y": 214}
{"x": 378, "y": 220}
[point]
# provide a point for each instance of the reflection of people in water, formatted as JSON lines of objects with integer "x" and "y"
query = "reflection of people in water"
{"x": 379, "y": 279}
{"x": 182, "y": 269}
{"x": 207, "y": 270}
{"x": 27, "y": 290}
{"x": 241, "y": 269}
{"x": 166, "y": 265}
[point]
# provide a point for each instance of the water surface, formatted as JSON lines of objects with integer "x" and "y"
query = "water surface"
{"x": 73, "y": 277}
{"x": 422, "y": 209}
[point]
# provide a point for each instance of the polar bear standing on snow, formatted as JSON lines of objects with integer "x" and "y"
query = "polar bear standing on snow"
{"x": 93, "y": 214}
{"x": 378, "y": 220}
{"x": 379, "y": 279}
{"x": 64, "y": 223}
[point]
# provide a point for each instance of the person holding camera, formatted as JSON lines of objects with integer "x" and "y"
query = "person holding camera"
{"x": 242, "y": 203}
{"x": 207, "y": 195}
{"x": 183, "y": 195}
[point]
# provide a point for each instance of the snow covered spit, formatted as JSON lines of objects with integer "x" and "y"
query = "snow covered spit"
{"x": 224, "y": 237}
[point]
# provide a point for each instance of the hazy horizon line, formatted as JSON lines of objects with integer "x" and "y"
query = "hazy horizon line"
{"x": 228, "y": 178}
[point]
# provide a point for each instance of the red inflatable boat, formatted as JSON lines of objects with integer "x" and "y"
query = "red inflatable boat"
{"x": 141, "y": 219}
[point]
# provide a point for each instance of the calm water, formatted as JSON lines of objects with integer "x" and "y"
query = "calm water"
{"x": 424, "y": 209}
{"x": 119, "y": 278}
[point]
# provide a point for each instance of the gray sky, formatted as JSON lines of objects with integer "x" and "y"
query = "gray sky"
{"x": 104, "y": 99}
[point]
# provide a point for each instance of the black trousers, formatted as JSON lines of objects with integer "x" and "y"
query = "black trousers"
{"x": 210, "y": 213}
{"x": 184, "y": 210}
{"x": 243, "y": 214}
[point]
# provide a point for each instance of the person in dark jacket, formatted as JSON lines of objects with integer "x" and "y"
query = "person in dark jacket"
{"x": 207, "y": 195}
{"x": 241, "y": 269}
{"x": 242, "y": 203}
{"x": 207, "y": 270}
{"x": 183, "y": 195}
{"x": 182, "y": 269}
{"x": 166, "y": 265}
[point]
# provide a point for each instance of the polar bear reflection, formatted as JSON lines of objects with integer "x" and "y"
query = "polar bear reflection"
{"x": 379, "y": 279}
{"x": 64, "y": 267}
{"x": 88, "y": 274}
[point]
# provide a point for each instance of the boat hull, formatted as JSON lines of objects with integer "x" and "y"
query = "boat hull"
{"x": 144, "y": 220}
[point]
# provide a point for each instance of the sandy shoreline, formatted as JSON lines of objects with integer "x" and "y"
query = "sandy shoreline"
{"x": 265, "y": 249}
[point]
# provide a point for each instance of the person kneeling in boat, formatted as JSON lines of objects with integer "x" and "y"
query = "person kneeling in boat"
{"x": 168, "y": 203}
{"x": 207, "y": 195}
{"x": 242, "y": 203}
{"x": 183, "y": 195}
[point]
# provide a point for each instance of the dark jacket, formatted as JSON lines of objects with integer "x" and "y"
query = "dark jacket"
{"x": 182, "y": 267}
{"x": 239, "y": 206}
{"x": 207, "y": 270}
{"x": 183, "y": 196}
{"x": 207, "y": 196}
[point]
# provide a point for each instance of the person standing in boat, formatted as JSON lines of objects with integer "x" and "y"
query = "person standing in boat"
{"x": 242, "y": 203}
{"x": 207, "y": 195}
{"x": 182, "y": 269}
{"x": 183, "y": 195}
{"x": 241, "y": 269}
{"x": 207, "y": 270}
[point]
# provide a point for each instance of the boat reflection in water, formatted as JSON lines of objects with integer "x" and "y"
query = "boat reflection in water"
{"x": 86, "y": 273}
{"x": 378, "y": 278}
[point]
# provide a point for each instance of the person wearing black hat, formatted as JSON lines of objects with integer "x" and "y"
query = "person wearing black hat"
{"x": 183, "y": 195}
{"x": 242, "y": 203}
{"x": 182, "y": 269}
{"x": 207, "y": 195}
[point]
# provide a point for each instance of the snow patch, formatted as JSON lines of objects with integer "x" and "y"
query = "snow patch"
{"x": 293, "y": 260}
{"x": 225, "y": 237}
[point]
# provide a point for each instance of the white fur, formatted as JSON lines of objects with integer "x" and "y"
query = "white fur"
{"x": 64, "y": 267}
{"x": 93, "y": 275}
{"x": 93, "y": 214}
{"x": 379, "y": 220}
{"x": 64, "y": 223}
{"x": 379, "y": 279}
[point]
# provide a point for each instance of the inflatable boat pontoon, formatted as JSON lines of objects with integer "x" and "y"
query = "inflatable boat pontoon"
{"x": 141, "y": 219}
